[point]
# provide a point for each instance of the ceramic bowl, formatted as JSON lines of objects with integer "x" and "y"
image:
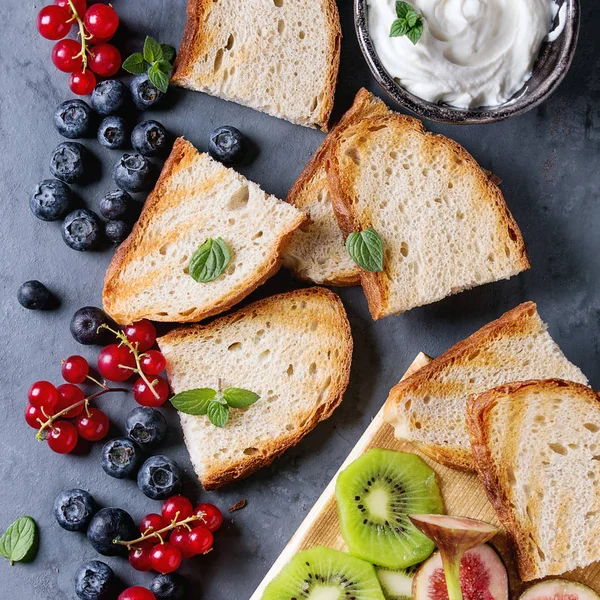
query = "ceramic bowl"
{"x": 549, "y": 70}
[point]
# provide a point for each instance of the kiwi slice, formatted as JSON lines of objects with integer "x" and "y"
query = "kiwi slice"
{"x": 396, "y": 584}
{"x": 325, "y": 574}
{"x": 375, "y": 495}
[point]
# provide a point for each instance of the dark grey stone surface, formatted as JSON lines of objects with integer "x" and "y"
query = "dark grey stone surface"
{"x": 548, "y": 160}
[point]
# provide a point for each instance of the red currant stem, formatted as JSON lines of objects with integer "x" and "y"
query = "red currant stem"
{"x": 158, "y": 534}
{"x": 136, "y": 355}
{"x": 93, "y": 379}
{"x": 82, "y": 33}
{"x": 63, "y": 412}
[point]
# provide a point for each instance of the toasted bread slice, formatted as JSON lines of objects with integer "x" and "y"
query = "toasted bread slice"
{"x": 196, "y": 198}
{"x": 294, "y": 350}
{"x": 317, "y": 251}
{"x": 429, "y": 408}
{"x": 444, "y": 224}
{"x": 277, "y": 56}
{"x": 536, "y": 445}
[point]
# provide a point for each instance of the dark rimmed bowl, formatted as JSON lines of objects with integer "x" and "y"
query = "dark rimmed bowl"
{"x": 549, "y": 70}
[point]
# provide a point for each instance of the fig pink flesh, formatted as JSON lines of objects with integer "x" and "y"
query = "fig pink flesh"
{"x": 559, "y": 589}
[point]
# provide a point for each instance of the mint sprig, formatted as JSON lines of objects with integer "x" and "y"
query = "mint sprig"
{"x": 215, "y": 404}
{"x": 366, "y": 249}
{"x": 18, "y": 540}
{"x": 408, "y": 23}
{"x": 156, "y": 59}
{"x": 209, "y": 261}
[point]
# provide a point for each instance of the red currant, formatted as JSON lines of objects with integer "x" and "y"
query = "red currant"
{"x": 177, "y": 507}
{"x": 143, "y": 394}
{"x": 141, "y": 333}
{"x": 93, "y": 427}
{"x": 179, "y": 538}
{"x": 33, "y": 415}
{"x": 64, "y": 56}
{"x": 80, "y": 6}
{"x": 43, "y": 394}
{"x": 109, "y": 360}
{"x": 212, "y": 518}
{"x": 139, "y": 557}
{"x": 136, "y": 593}
{"x": 105, "y": 60}
{"x": 152, "y": 521}
{"x": 83, "y": 83}
{"x": 153, "y": 362}
{"x": 200, "y": 540}
{"x": 52, "y": 22}
{"x": 101, "y": 21}
{"x": 69, "y": 394}
{"x": 62, "y": 437}
{"x": 165, "y": 558}
{"x": 75, "y": 369}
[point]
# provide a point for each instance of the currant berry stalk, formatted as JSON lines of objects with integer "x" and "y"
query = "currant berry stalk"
{"x": 136, "y": 355}
{"x": 82, "y": 34}
{"x": 85, "y": 403}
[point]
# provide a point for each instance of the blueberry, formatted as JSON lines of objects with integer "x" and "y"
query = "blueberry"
{"x": 109, "y": 97}
{"x": 226, "y": 145}
{"x": 117, "y": 231}
{"x": 143, "y": 92}
{"x": 74, "y": 509}
{"x": 146, "y": 426}
{"x": 81, "y": 230}
{"x": 168, "y": 587}
{"x": 112, "y": 132}
{"x": 120, "y": 458}
{"x": 111, "y": 524}
{"x": 149, "y": 138}
{"x": 85, "y": 326}
{"x": 159, "y": 477}
{"x": 134, "y": 173}
{"x": 68, "y": 162}
{"x": 116, "y": 205}
{"x": 93, "y": 581}
{"x": 51, "y": 200}
{"x": 34, "y": 295}
{"x": 73, "y": 119}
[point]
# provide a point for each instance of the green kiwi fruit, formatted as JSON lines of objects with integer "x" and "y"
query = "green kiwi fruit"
{"x": 325, "y": 574}
{"x": 396, "y": 584}
{"x": 375, "y": 495}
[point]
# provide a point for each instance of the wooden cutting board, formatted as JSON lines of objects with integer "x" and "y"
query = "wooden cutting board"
{"x": 462, "y": 493}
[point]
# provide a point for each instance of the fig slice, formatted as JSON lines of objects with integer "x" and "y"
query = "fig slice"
{"x": 559, "y": 589}
{"x": 453, "y": 536}
{"x": 482, "y": 577}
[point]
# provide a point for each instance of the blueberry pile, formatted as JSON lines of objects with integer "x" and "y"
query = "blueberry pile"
{"x": 71, "y": 162}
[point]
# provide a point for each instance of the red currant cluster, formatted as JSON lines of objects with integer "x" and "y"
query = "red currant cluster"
{"x": 118, "y": 362}
{"x": 51, "y": 406}
{"x": 180, "y": 531}
{"x": 90, "y": 53}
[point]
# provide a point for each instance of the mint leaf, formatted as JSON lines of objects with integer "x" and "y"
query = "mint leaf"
{"x": 402, "y": 9}
{"x": 366, "y": 250}
{"x": 218, "y": 414}
{"x": 399, "y": 28}
{"x": 18, "y": 539}
{"x": 408, "y": 23}
{"x": 135, "y": 64}
{"x": 239, "y": 398}
{"x": 153, "y": 51}
{"x": 159, "y": 78}
{"x": 168, "y": 52}
{"x": 414, "y": 34}
{"x": 210, "y": 260}
{"x": 194, "y": 402}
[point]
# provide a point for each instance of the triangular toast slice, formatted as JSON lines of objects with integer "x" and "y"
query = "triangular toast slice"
{"x": 537, "y": 449}
{"x": 277, "y": 56}
{"x": 196, "y": 198}
{"x": 429, "y": 408}
{"x": 317, "y": 251}
{"x": 293, "y": 349}
{"x": 444, "y": 224}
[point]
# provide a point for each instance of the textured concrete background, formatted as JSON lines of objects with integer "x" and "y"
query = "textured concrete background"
{"x": 547, "y": 159}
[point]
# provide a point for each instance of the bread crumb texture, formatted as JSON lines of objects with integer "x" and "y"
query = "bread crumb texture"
{"x": 277, "y": 56}
{"x": 293, "y": 349}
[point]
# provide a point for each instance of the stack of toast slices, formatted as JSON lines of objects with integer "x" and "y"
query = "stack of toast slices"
{"x": 443, "y": 221}
{"x": 277, "y": 56}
